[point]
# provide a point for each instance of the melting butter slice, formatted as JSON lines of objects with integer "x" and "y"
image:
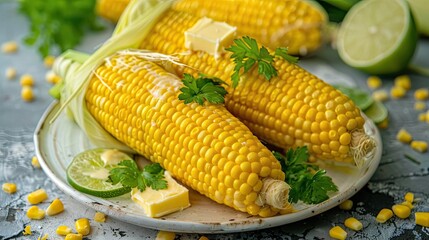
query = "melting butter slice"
{"x": 157, "y": 203}
{"x": 209, "y": 36}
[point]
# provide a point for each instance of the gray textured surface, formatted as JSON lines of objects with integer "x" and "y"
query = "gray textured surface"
{"x": 395, "y": 175}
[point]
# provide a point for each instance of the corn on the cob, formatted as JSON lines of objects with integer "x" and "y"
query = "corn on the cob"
{"x": 294, "y": 24}
{"x": 294, "y": 109}
{"x": 205, "y": 147}
{"x": 111, "y": 9}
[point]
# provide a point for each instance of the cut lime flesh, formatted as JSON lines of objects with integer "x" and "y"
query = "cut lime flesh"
{"x": 378, "y": 36}
{"x": 377, "y": 112}
{"x": 362, "y": 99}
{"x": 82, "y": 171}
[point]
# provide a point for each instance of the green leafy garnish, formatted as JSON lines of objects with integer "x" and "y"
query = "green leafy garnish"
{"x": 308, "y": 183}
{"x": 202, "y": 89}
{"x": 58, "y": 23}
{"x": 129, "y": 175}
{"x": 246, "y": 53}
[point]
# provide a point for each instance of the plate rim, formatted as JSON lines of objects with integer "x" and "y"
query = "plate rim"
{"x": 254, "y": 223}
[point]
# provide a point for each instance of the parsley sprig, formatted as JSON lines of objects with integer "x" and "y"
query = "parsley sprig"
{"x": 202, "y": 89}
{"x": 308, "y": 183}
{"x": 129, "y": 175}
{"x": 246, "y": 53}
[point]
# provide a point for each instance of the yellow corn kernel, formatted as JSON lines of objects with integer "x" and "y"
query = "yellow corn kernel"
{"x": 63, "y": 230}
{"x": 338, "y": 233}
{"x": 422, "y": 117}
{"x": 55, "y": 207}
{"x": 27, "y": 230}
{"x": 380, "y": 95}
{"x": 401, "y": 211}
{"x": 404, "y": 136}
{"x": 403, "y": 81}
{"x": 27, "y": 94}
{"x": 422, "y": 218}
{"x": 421, "y": 94}
{"x": 397, "y": 92}
{"x": 384, "y": 215}
{"x": 27, "y": 80}
{"x": 34, "y": 212}
{"x": 203, "y": 238}
{"x": 99, "y": 217}
{"x": 9, "y": 188}
{"x": 37, "y": 196}
{"x": 420, "y": 146}
{"x": 52, "y": 78}
{"x": 73, "y": 236}
{"x": 111, "y": 10}
{"x": 384, "y": 124}
{"x": 44, "y": 237}
{"x": 408, "y": 204}
{"x": 409, "y": 197}
{"x": 373, "y": 82}
{"x": 346, "y": 205}
{"x": 35, "y": 162}
{"x": 82, "y": 226}
{"x": 10, "y": 73}
{"x": 163, "y": 235}
{"x": 48, "y": 61}
{"x": 9, "y": 47}
{"x": 419, "y": 105}
{"x": 353, "y": 224}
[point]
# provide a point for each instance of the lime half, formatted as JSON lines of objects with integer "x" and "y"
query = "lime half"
{"x": 377, "y": 112}
{"x": 378, "y": 36}
{"x": 88, "y": 173}
{"x": 420, "y": 9}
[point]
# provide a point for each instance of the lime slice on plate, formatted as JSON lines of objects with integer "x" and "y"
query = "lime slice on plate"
{"x": 377, "y": 112}
{"x": 88, "y": 173}
{"x": 378, "y": 36}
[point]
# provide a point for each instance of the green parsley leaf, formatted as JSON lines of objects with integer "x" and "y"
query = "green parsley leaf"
{"x": 128, "y": 174}
{"x": 246, "y": 53}
{"x": 202, "y": 89}
{"x": 308, "y": 183}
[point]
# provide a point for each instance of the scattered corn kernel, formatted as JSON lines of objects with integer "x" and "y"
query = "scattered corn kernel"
{"x": 353, "y": 224}
{"x": 401, "y": 211}
{"x": 73, "y": 236}
{"x": 27, "y": 94}
{"x": 44, "y": 237}
{"x": 63, "y": 230}
{"x": 10, "y": 73}
{"x": 338, "y": 233}
{"x": 9, "y": 47}
{"x": 27, "y": 230}
{"x": 163, "y": 235}
{"x": 420, "y": 146}
{"x": 408, "y": 204}
{"x": 9, "y": 188}
{"x": 384, "y": 124}
{"x": 82, "y": 226}
{"x": 203, "y": 238}
{"x": 409, "y": 197}
{"x": 384, "y": 215}
{"x": 51, "y": 77}
{"x": 35, "y": 162}
{"x": 346, "y": 205}
{"x": 99, "y": 217}
{"x": 55, "y": 207}
{"x": 48, "y": 61}
{"x": 37, "y": 196}
{"x": 419, "y": 105}
{"x": 422, "y": 218}
{"x": 34, "y": 212}
{"x": 422, "y": 117}
{"x": 380, "y": 95}
{"x": 404, "y": 136}
{"x": 397, "y": 92}
{"x": 373, "y": 82}
{"x": 27, "y": 80}
{"x": 421, "y": 94}
{"x": 403, "y": 81}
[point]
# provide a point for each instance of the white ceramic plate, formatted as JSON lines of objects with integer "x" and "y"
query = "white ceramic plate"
{"x": 57, "y": 143}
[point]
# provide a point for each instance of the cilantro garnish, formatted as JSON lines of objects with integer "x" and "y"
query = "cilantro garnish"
{"x": 246, "y": 54}
{"x": 129, "y": 175}
{"x": 308, "y": 183}
{"x": 202, "y": 88}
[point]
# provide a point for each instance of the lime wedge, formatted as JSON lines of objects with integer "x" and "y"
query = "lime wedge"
{"x": 420, "y": 9}
{"x": 362, "y": 99}
{"x": 377, "y": 112}
{"x": 378, "y": 36}
{"x": 88, "y": 173}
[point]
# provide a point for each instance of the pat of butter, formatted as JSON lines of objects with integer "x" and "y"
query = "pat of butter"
{"x": 209, "y": 36}
{"x": 157, "y": 203}
{"x": 113, "y": 157}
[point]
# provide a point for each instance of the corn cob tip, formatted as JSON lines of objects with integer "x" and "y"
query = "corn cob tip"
{"x": 274, "y": 193}
{"x": 362, "y": 147}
